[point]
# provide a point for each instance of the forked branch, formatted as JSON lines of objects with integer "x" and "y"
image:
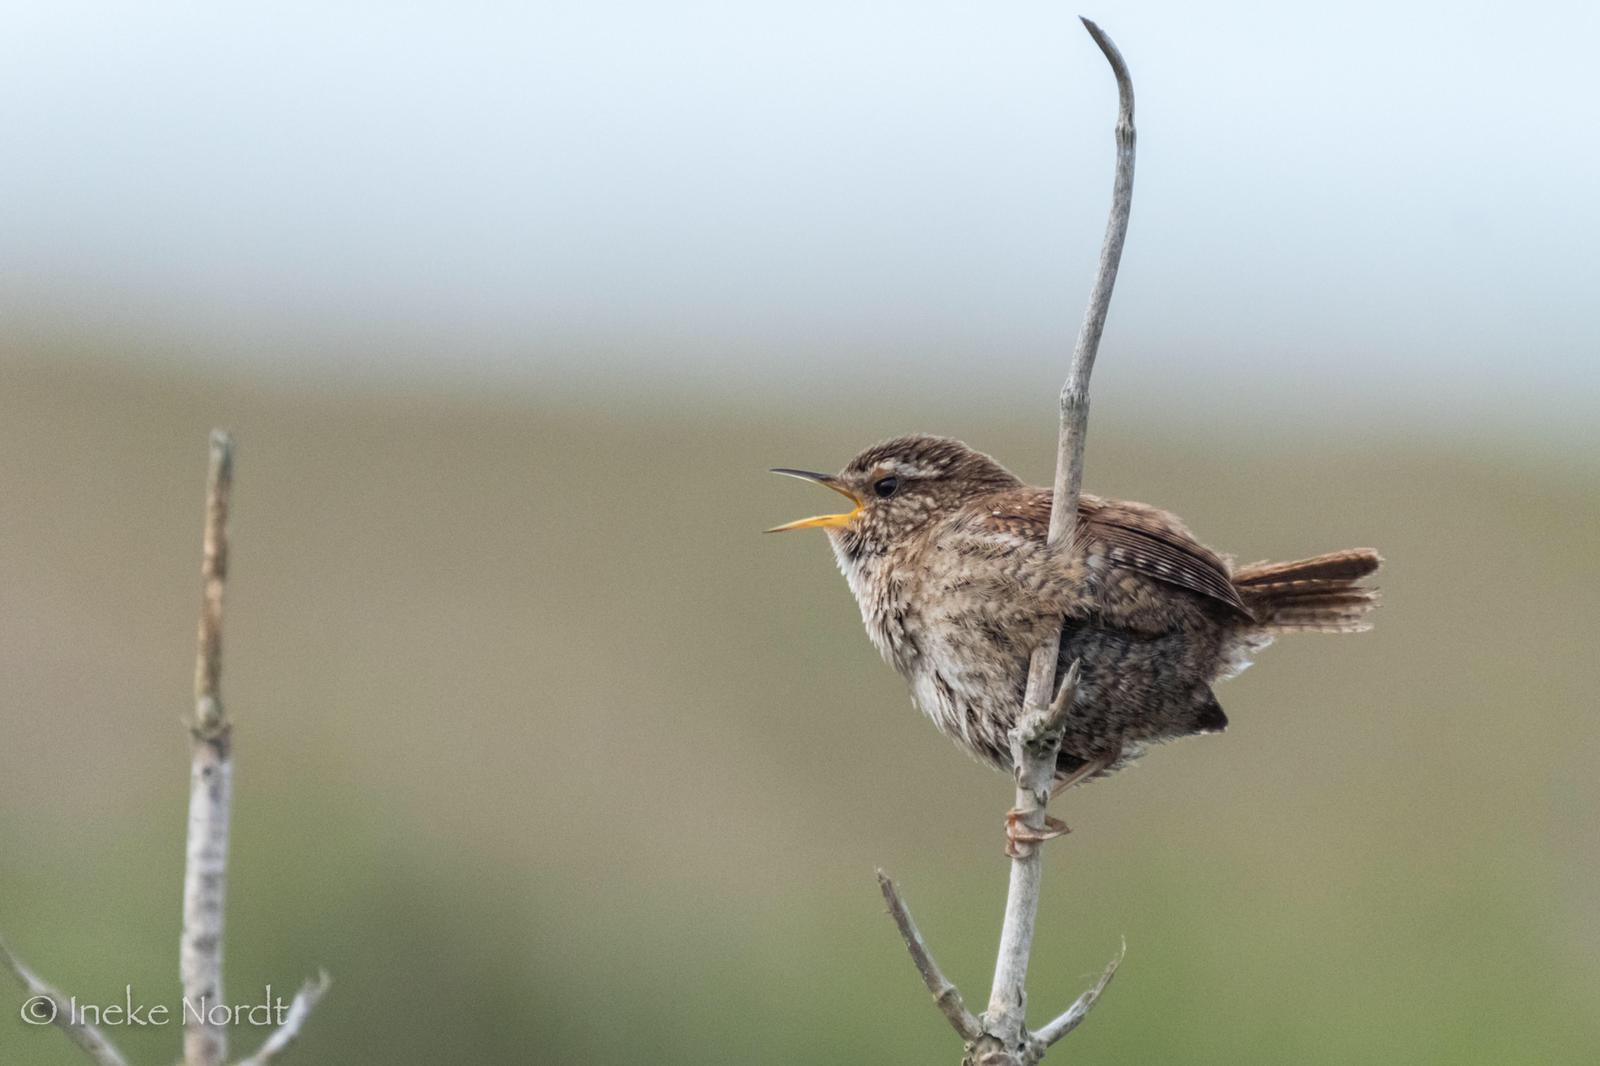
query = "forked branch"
{"x": 1003, "y": 1038}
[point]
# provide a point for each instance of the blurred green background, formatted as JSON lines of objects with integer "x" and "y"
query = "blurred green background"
{"x": 547, "y": 755}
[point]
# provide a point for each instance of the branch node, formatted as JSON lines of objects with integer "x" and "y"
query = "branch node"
{"x": 1040, "y": 732}
{"x": 1065, "y": 694}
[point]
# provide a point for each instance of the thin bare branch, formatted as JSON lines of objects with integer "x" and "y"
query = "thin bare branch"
{"x": 1075, "y": 392}
{"x": 286, "y": 1034}
{"x": 1074, "y": 1015}
{"x": 1035, "y": 754}
{"x": 945, "y": 994}
{"x": 47, "y": 1006}
{"x": 205, "y": 875}
{"x": 213, "y": 577}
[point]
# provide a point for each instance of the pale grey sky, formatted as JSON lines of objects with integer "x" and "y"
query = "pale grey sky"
{"x": 1390, "y": 199}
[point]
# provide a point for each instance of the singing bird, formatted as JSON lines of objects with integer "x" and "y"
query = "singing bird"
{"x": 945, "y": 552}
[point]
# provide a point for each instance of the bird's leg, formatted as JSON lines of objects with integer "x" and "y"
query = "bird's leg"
{"x": 1087, "y": 770}
{"x": 1019, "y": 834}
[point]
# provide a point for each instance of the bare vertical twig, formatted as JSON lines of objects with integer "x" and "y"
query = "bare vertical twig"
{"x": 1037, "y": 735}
{"x": 1004, "y": 1039}
{"x": 205, "y": 875}
{"x": 1075, "y": 392}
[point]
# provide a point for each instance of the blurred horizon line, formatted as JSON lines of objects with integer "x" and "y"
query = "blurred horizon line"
{"x": 1130, "y": 388}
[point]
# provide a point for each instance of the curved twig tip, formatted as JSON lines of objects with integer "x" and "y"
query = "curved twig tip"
{"x": 1074, "y": 1015}
{"x": 310, "y": 994}
{"x": 1119, "y": 68}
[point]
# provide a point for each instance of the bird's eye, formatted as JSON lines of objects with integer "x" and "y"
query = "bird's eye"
{"x": 886, "y": 487}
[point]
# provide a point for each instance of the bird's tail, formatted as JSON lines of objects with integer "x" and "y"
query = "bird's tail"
{"x": 1311, "y": 595}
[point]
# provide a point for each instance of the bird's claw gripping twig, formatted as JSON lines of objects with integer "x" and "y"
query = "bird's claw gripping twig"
{"x": 1020, "y": 835}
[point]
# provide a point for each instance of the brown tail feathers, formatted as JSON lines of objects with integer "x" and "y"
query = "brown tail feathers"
{"x": 1311, "y": 595}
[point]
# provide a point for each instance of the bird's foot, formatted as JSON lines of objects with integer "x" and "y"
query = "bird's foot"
{"x": 1021, "y": 837}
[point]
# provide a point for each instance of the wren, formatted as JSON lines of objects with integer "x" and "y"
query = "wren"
{"x": 945, "y": 551}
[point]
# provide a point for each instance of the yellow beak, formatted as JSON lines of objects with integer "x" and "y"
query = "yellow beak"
{"x": 821, "y": 521}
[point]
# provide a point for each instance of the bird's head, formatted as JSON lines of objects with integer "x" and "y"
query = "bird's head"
{"x": 898, "y": 488}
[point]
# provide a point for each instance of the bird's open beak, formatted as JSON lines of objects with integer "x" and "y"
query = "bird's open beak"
{"x": 821, "y": 521}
